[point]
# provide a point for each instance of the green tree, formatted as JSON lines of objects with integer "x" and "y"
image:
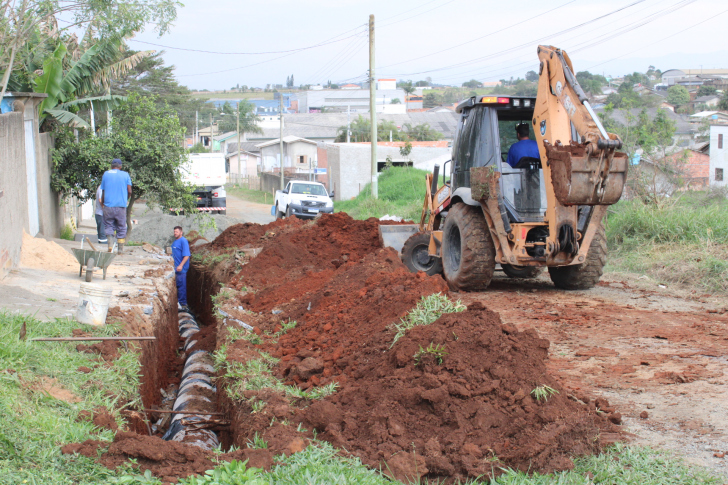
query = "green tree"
{"x": 591, "y": 83}
{"x": 199, "y": 148}
{"x": 532, "y": 76}
{"x": 431, "y": 99}
{"x": 406, "y": 86}
{"x": 395, "y": 101}
{"x": 678, "y": 95}
{"x": 361, "y": 131}
{"x": 706, "y": 90}
{"x": 38, "y": 19}
{"x": 422, "y": 132}
{"x": 406, "y": 150}
{"x": 248, "y": 118}
{"x": 723, "y": 103}
{"x": 147, "y": 138}
{"x": 473, "y": 84}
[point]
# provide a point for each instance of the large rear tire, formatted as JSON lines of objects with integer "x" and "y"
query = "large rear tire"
{"x": 586, "y": 275}
{"x": 468, "y": 254}
{"x": 415, "y": 255}
{"x": 521, "y": 271}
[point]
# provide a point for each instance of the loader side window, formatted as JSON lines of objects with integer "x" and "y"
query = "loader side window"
{"x": 470, "y": 147}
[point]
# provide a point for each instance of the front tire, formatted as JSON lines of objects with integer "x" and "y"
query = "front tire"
{"x": 415, "y": 255}
{"x": 289, "y": 212}
{"x": 279, "y": 214}
{"x": 586, "y": 275}
{"x": 468, "y": 254}
{"x": 521, "y": 271}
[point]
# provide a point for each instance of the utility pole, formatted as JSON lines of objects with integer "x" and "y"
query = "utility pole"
{"x": 373, "y": 107}
{"x": 211, "y": 132}
{"x": 197, "y": 130}
{"x": 280, "y": 115}
{"x": 348, "y": 123}
{"x": 240, "y": 165}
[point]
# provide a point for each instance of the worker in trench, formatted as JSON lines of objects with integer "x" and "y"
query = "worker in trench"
{"x": 181, "y": 257}
{"x": 115, "y": 194}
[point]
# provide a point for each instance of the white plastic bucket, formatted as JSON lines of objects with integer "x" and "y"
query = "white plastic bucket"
{"x": 93, "y": 304}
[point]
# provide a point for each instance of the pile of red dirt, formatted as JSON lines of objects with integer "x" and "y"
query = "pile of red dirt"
{"x": 462, "y": 410}
{"x": 293, "y": 248}
{"x": 338, "y": 311}
{"x": 168, "y": 460}
{"x": 251, "y": 234}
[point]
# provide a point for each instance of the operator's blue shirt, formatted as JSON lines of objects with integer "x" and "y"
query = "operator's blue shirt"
{"x": 520, "y": 149}
{"x": 114, "y": 183}
{"x": 180, "y": 249}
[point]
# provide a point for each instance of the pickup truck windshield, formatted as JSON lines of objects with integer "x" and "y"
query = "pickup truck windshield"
{"x": 308, "y": 189}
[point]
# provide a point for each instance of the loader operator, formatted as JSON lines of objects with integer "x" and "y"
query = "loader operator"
{"x": 524, "y": 147}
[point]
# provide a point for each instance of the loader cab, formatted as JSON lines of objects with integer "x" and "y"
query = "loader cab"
{"x": 486, "y": 131}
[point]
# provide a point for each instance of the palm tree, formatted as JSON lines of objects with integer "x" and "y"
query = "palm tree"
{"x": 70, "y": 84}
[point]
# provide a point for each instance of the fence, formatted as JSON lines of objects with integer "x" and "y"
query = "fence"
{"x": 250, "y": 182}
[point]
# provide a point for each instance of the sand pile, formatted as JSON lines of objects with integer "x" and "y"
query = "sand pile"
{"x": 41, "y": 254}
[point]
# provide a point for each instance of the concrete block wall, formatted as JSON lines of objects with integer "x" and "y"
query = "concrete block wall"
{"x": 350, "y": 164}
{"x": 13, "y": 190}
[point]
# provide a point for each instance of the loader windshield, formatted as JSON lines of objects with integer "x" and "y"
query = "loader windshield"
{"x": 523, "y": 188}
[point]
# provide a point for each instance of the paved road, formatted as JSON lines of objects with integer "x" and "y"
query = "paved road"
{"x": 248, "y": 211}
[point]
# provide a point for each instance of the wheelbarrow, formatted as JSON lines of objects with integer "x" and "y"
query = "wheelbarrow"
{"x": 90, "y": 258}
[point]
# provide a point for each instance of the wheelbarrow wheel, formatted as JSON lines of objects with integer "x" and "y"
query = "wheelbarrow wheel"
{"x": 90, "y": 269}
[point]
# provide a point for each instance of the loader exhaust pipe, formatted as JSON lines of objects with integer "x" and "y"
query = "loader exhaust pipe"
{"x": 435, "y": 174}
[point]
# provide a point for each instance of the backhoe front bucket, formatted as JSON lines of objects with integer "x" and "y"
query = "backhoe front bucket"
{"x": 579, "y": 179}
{"x": 395, "y": 235}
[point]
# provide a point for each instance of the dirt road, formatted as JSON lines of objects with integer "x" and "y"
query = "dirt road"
{"x": 248, "y": 211}
{"x": 644, "y": 349}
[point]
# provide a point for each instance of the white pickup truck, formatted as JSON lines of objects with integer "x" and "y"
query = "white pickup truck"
{"x": 303, "y": 199}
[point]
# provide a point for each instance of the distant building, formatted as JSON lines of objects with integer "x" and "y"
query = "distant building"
{"x": 299, "y": 155}
{"x": 386, "y": 84}
{"x": 350, "y": 86}
{"x": 249, "y": 155}
{"x": 338, "y": 100}
{"x": 718, "y": 155}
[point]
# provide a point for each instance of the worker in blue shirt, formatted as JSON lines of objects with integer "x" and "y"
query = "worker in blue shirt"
{"x": 524, "y": 147}
{"x": 115, "y": 194}
{"x": 181, "y": 257}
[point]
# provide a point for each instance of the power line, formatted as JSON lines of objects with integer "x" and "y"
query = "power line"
{"x": 478, "y": 38}
{"x": 320, "y": 44}
{"x": 413, "y": 16}
{"x": 530, "y": 43}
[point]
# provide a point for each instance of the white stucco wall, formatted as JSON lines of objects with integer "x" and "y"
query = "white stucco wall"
{"x": 718, "y": 156}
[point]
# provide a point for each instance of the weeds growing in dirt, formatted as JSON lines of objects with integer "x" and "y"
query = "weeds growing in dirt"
{"x": 285, "y": 327}
{"x": 256, "y": 374}
{"x": 257, "y": 442}
{"x": 232, "y": 473}
{"x": 429, "y": 309}
{"x": 437, "y": 350}
{"x": 543, "y": 393}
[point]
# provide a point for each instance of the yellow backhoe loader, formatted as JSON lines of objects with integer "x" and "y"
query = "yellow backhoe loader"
{"x": 525, "y": 214}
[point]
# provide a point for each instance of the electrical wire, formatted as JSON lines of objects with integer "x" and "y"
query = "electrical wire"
{"x": 525, "y": 44}
{"x": 478, "y": 38}
{"x": 413, "y": 16}
{"x": 320, "y": 44}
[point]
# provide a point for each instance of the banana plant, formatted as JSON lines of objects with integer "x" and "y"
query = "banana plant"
{"x": 69, "y": 89}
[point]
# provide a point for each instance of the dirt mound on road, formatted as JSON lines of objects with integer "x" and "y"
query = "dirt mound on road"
{"x": 462, "y": 410}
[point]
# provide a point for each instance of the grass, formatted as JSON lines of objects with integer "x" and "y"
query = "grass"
{"x": 401, "y": 193}
{"x": 685, "y": 242}
{"x": 67, "y": 233}
{"x": 428, "y": 309}
{"x": 320, "y": 463}
{"x": 33, "y": 423}
{"x": 250, "y": 195}
{"x": 543, "y": 393}
{"x": 257, "y": 374}
{"x": 436, "y": 350}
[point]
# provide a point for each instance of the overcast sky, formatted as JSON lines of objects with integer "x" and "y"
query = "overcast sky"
{"x": 450, "y": 41}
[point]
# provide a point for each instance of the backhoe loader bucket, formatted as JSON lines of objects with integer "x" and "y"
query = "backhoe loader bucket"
{"x": 579, "y": 179}
{"x": 395, "y": 235}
